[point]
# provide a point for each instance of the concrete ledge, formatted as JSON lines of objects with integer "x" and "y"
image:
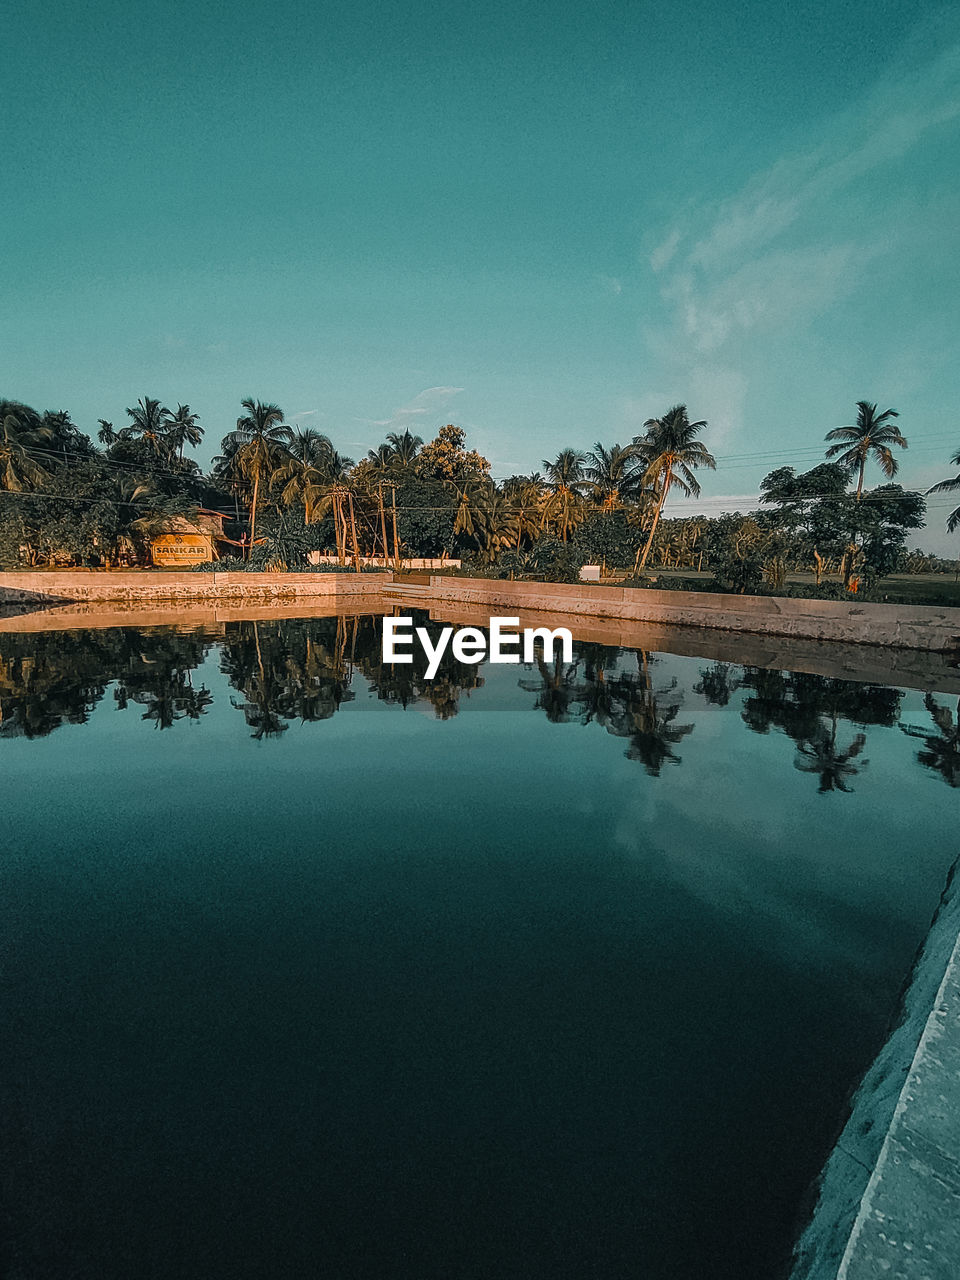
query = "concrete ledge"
{"x": 889, "y": 1195}
{"x": 899, "y": 626}
{"x": 53, "y": 588}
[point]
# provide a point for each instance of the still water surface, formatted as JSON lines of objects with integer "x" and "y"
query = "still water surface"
{"x": 311, "y": 968}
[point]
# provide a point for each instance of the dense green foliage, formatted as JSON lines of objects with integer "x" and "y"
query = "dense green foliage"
{"x": 279, "y": 494}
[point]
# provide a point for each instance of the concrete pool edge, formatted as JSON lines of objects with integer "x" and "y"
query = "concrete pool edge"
{"x": 889, "y": 1194}
{"x": 929, "y": 627}
{"x": 921, "y": 627}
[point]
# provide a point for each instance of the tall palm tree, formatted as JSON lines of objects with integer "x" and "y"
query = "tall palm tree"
{"x": 672, "y": 453}
{"x": 565, "y": 480}
{"x": 183, "y": 427}
{"x": 614, "y": 473}
{"x": 872, "y": 434}
{"x": 150, "y": 423}
{"x": 19, "y": 470}
{"x": 950, "y": 486}
{"x": 107, "y": 435}
{"x": 260, "y": 444}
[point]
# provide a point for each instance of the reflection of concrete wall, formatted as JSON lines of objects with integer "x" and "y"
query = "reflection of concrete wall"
{"x": 161, "y": 585}
{"x": 900, "y": 626}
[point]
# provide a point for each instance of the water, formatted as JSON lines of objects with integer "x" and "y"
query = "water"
{"x": 310, "y": 968}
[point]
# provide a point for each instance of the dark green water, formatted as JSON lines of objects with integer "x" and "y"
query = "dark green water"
{"x": 312, "y": 969}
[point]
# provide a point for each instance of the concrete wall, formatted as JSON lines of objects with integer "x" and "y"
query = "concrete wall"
{"x": 900, "y": 626}
{"x": 406, "y": 562}
{"x": 889, "y": 1195}
{"x": 51, "y": 588}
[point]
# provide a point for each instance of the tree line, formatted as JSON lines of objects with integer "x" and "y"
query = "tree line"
{"x": 285, "y": 491}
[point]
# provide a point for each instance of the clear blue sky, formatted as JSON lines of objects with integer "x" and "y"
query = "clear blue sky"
{"x": 545, "y": 223}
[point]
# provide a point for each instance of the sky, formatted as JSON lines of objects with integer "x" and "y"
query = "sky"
{"x": 545, "y": 223}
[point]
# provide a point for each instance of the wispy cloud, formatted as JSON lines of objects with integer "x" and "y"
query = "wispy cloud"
{"x": 425, "y": 404}
{"x": 801, "y": 235}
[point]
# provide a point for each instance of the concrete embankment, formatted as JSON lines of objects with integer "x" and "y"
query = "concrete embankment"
{"x": 889, "y": 1195}
{"x": 923, "y": 669}
{"x": 900, "y": 626}
{"x": 145, "y": 587}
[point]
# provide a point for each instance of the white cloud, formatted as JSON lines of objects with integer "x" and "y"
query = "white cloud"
{"x": 798, "y": 237}
{"x": 425, "y": 403}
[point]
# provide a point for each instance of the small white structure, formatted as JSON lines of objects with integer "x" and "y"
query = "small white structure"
{"x": 590, "y": 573}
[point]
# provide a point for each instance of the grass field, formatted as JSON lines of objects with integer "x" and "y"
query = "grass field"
{"x": 898, "y": 588}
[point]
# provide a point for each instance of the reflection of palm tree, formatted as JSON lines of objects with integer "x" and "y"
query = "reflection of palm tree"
{"x": 558, "y": 690}
{"x": 943, "y": 748}
{"x": 648, "y": 720}
{"x": 819, "y": 755}
{"x": 715, "y": 684}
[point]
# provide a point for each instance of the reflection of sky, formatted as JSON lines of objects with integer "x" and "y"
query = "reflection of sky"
{"x": 602, "y": 994}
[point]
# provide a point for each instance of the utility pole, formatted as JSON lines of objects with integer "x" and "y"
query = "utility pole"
{"x": 353, "y": 530}
{"x": 383, "y": 525}
{"x": 396, "y": 541}
{"x": 339, "y": 526}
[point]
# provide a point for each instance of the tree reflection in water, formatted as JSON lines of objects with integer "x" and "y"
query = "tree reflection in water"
{"x": 302, "y": 669}
{"x": 942, "y": 752}
{"x": 625, "y": 704}
{"x": 807, "y": 708}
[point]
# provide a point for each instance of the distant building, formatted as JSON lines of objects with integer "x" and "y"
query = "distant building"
{"x": 181, "y": 543}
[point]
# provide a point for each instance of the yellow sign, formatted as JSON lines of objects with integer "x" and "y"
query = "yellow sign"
{"x": 181, "y": 549}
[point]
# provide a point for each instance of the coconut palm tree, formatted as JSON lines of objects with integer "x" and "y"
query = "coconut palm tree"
{"x": 107, "y": 435}
{"x": 950, "y": 486}
{"x": 565, "y": 481}
{"x": 183, "y": 427}
{"x": 872, "y": 434}
{"x": 150, "y": 423}
{"x": 614, "y": 473}
{"x": 259, "y": 445}
{"x": 304, "y": 477}
{"x": 19, "y": 470}
{"x": 404, "y": 447}
{"x": 672, "y": 453}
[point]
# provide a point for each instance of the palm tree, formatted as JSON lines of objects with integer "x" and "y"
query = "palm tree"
{"x": 950, "y": 486}
{"x": 150, "y": 423}
{"x": 19, "y": 470}
{"x": 873, "y": 434}
{"x": 305, "y": 476}
{"x": 565, "y": 479}
{"x": 260, "y": 444}
{"x": 107, "y": 435}
{"x": 183, "y": 428}
{"x": 614, "y": 473}
{"x": 672, "y": 454}
{"x": 404, "y": 447}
